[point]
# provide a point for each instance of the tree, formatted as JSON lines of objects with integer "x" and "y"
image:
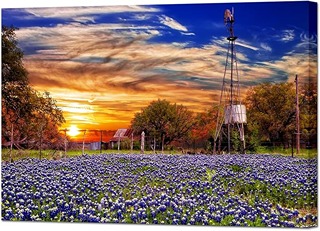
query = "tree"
{"x": 308, "y": 113}
{"x": 46, "y": 119}
{"x": 271, "y": 110}
{"x": 27, "y": 115}
{"x": 202, "y": 132}
{"x": 14, "y": 84}
{"x": 16, "y": 109}
{"x": 163, "y": 121}
{"x": 12, "y": 65}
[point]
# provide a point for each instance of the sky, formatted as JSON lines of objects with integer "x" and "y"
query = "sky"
{"x": 103, "y": 64}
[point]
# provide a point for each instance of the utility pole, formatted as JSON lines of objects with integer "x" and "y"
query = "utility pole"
{"x": 297, "y": 116}
{"x": 65, "y": 143}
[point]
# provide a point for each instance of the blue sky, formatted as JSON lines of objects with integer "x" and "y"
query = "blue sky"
{"x": 104, "y": 63}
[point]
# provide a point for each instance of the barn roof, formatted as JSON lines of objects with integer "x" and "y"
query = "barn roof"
{"x": 121, "y": 133}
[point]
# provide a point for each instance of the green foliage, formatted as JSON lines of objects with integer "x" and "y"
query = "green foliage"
{"x": 136, "y": 145}
{"x": 304, "y": 153}
{"x": 272, "y": 116}
{"x": 210, "y": 173}
{"x": 235, "y": 141}
{"x": 17, "y": 95}
{"x": 144, "y": 169}
{"x": 165, "y": 121}
{"x": 124, "y": 160}
{"x": 252, "y": 137}
{"x": 226, "y": 221}
{"x": 308, "y": 112}
{"x": 236, "y": 168}
{"x": 261, "y": 189}
{"x": 256, "y": 223}
{"x": 12, "y": 66}
{"x": 21, "y": 154}
{"x": 271, "y": 111}
{"x": 125, "y": 144}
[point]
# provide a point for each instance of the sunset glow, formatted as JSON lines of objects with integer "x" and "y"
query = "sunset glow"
{"x": 73, "y": 131}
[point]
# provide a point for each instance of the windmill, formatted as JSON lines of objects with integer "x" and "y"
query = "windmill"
{"x": 231, "y": 113}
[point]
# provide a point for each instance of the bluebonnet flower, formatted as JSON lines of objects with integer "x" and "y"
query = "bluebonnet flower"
{"x": 184, "y": 197}
{"x": 162, "y": 208}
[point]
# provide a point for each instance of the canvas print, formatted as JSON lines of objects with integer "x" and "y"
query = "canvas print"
{"x": 177, "y": 114}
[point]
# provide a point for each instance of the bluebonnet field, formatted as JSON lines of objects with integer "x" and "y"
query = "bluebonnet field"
{"x": 234, "y": 190}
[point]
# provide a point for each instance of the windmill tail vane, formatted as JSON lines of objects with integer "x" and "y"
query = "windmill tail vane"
{"x": 228, "y": 16}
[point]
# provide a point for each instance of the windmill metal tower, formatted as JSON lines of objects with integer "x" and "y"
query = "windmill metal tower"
{"x": 231, "y": 114}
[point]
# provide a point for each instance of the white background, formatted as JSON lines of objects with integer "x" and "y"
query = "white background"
{"x": 54, "y": 226}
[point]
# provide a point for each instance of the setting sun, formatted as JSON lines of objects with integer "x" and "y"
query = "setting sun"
{"x": 73, "y": 130}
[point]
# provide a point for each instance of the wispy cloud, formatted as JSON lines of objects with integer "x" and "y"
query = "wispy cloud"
{"x": 266, "y": 47}
{"x": 173, "y": 24}
{"x": 142, "y": 17}
{"x": 222, "y": 41}
{"x": 189, "y": 33}
{"x": 84, "y": 19}
{"x": 246, "y": 45}
{"x": 71, "y": 12}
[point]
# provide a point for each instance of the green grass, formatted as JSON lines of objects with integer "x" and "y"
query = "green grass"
{"x": 304, "y": 153}
{"x": 236, "y": 168}
{"x": 275, "y": 194}
{"x": 144, "y": 169}
{"x": 210, "y": 173}
{"x": 20, "y": 154}
{"x": 49, "y": 154}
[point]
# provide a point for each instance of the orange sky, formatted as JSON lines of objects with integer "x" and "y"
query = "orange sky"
{"x": 100, "y": 74}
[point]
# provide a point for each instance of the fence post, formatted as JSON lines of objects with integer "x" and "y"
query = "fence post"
{"x": 119, "y": 143}
{"x": 162, "y": 144}
{"x": 142, "y": 142}
{"x": 131, "y": 146}
{"x": 65, "y": 143}
{"x": 292, "y": 145}
{"x": 84, "y": 136}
